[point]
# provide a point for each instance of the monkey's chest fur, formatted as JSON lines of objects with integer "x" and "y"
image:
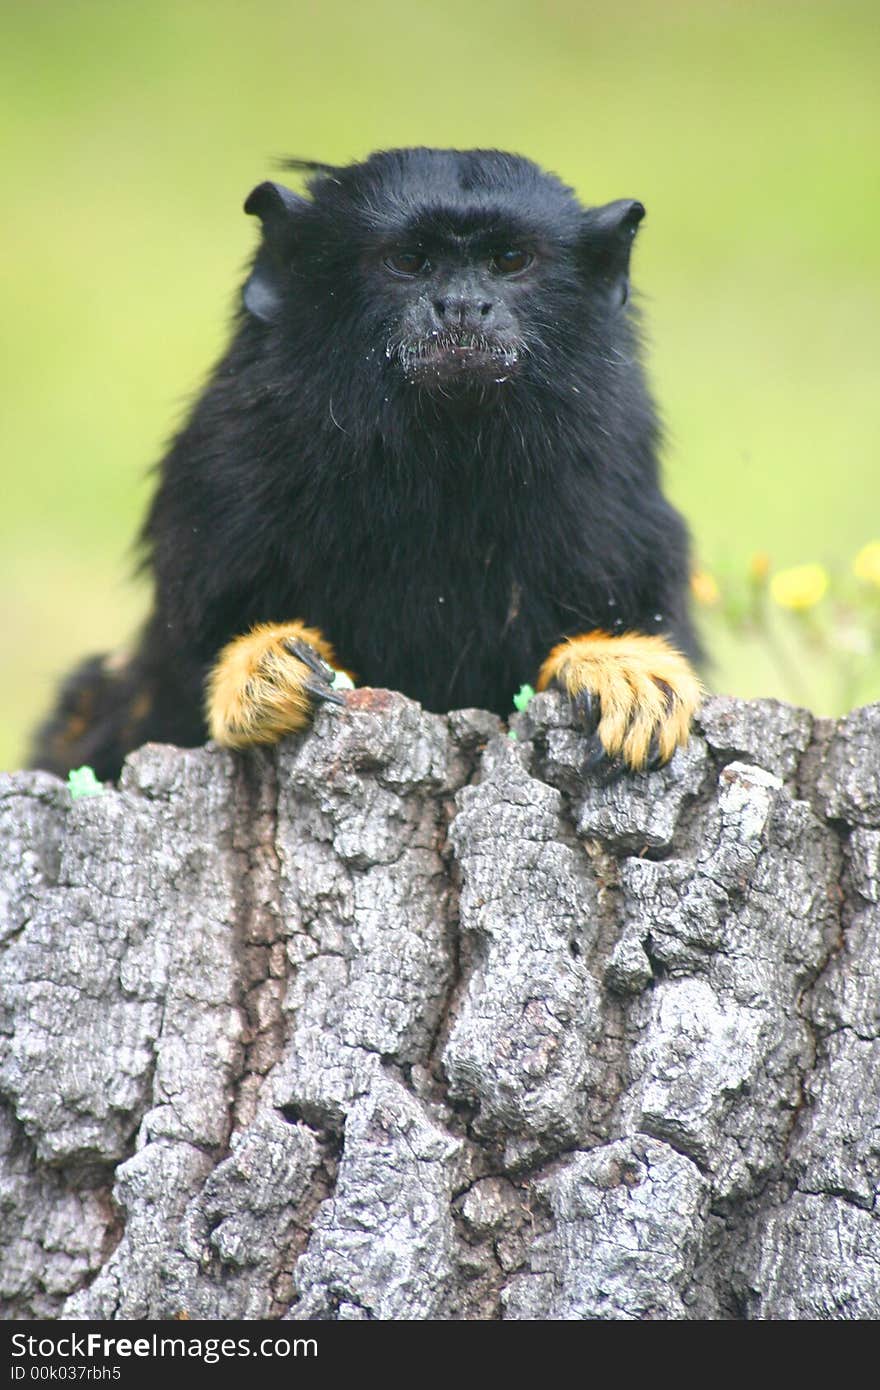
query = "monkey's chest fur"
{"x": 451, "y": 630}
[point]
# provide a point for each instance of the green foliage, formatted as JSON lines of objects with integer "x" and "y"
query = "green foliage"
{"x": 81, "y": 781}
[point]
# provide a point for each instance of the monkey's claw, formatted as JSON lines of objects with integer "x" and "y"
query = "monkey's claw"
{"x": 321, "y": 685}
{"x": 587, "y": 709}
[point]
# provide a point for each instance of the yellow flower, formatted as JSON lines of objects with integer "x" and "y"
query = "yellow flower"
{"x": 866, "y": 565}
{"x": 799, "y": 588}
{"x": 759, "y": 568}
{"x": 704, "y": 588}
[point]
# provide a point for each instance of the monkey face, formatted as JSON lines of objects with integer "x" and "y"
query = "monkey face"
{"x": 445, "y": 270}
{"x": 457, "y": 300}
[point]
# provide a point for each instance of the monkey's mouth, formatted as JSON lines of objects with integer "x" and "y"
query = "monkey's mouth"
{"x": 442, "y": 358}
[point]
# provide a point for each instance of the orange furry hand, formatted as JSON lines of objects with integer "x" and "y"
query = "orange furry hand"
{"x": 265, "y": 684}
{"x": 637, "y": 693}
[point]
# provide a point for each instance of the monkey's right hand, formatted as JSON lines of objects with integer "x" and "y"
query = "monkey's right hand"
{"x": 265, "y": 684}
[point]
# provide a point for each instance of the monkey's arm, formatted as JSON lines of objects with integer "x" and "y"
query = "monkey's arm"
{"x": 636, "y": 694}
{"x": 265, "y": 684}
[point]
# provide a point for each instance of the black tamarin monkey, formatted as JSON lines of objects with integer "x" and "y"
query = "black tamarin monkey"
{"x": 429, "y": 455}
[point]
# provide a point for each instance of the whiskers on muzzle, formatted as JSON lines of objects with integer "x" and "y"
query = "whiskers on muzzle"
{"x": 445, "y": 354}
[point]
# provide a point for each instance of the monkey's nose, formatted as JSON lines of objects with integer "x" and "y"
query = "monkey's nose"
{"x": 470, "y": 315}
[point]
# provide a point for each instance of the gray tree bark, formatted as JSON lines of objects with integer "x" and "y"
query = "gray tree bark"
{"x": 409, "y": 1020}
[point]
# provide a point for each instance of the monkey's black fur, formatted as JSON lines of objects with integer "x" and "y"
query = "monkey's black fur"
{"x": 446, "y": 492}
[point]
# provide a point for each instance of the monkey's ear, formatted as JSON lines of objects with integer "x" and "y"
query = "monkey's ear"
{"x": 606, "y": 242}
{"x": 275, "y": 205}
{"x": 277, "y": 208}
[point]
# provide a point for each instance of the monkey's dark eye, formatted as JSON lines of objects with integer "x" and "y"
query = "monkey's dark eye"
{"x": 510, "y": 262}
{"x": 408, "y": 263}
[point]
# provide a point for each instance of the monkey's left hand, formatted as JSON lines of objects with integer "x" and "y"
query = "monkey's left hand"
{"x": 636, "y": 695}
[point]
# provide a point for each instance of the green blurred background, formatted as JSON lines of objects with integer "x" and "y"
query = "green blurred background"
{"x": 132, "y": 134}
